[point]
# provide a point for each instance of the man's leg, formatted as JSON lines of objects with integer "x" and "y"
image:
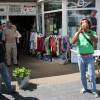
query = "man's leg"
{"x": 8, "y": 53}
{"x": 82, "y": 68}
{"x": 6, "y": 77}
{"x": 14, "y": 53}
{"x": 91, "y": 72}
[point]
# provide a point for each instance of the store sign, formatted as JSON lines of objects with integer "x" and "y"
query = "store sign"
{"x": 22, "y": 9}
{"x": 29, "y": 10}
{"x": 18, "y": 9}
{"x": 3, "y": 10}
{"x": 14, "y": 9}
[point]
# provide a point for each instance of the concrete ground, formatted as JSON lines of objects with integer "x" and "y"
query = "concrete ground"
{"x": 50, "y": 81}
{"x": 42, "y": 68}
{"x": 63, "y": 87}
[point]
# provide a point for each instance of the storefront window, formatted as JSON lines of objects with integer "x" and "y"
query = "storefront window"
{"x": 74, "y": 18}
{"x": 80, "y": 3}
{"x": 52, "y": 5}
{"x": 53, "y": 23}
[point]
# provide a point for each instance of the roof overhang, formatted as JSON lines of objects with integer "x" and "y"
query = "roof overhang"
{"x": 6, "y": 1}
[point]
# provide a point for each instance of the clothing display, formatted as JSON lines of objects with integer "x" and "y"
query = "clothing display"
{"x": 33, "y": 41}
{"x": 40, "y": 43}
{"x": 51, "y": 46}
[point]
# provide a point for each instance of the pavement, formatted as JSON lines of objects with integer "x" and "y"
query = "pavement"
{"x": 63, "y": 87}
{"x": 50, "y": 81}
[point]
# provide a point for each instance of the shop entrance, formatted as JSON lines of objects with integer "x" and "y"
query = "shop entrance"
{"x": 24, "y": 24}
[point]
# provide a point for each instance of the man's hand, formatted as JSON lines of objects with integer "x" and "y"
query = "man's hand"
{"x": 80, "y": 30}
{"x": 75, "y": 37}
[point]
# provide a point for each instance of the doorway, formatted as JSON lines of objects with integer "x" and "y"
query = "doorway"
{"x": 24, "y": 24}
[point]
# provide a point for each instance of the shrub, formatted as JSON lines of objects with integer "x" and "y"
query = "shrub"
{"x": 21, "y": 72}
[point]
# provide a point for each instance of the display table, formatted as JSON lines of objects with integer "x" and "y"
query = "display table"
{"x": 74, "y": 58}
{"x": 97, "y": 59}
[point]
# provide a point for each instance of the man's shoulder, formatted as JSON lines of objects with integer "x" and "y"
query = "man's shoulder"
{"x": 91, "y": 31}
{"x": 5, "y": 30}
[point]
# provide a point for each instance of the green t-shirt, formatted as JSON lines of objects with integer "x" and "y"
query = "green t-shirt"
{"x": 84, "y": 47}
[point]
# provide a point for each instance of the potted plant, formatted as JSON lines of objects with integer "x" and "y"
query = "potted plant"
{"x": 21, "y": 74}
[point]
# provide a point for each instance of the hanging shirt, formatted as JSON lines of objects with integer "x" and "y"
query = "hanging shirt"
{"x": 65, "y": 44}
{"x": 47, "y": 48}
{"x": 40, "y": 44}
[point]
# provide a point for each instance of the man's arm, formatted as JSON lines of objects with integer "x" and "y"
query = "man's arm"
{"x": 3, "y": 37}
{"x": 75, "y": 37}
{"x": 18, "y": 34}
{"x": 94, "y": 38}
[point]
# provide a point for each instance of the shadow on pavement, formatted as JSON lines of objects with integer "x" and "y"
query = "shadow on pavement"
{"x": 2, "y": 97}
{"x": 30, "y": 87}
{"x": 17, "y": 96}
{"x": 98, "y": 80}
{"x": 98, "y": 91}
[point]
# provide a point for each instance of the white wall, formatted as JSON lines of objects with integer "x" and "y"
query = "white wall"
{"x": 64, "y": 18}
{"x": 98, "y": 21}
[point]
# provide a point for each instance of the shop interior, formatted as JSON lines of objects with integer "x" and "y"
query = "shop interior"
{"x": 24, "y": 24}
{"x": 53, "y": 23}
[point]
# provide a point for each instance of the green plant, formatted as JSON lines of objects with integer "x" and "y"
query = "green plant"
{"x": 21, "y": 72}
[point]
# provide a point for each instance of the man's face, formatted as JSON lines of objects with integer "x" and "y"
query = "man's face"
{"x": 93, "y": 13}
{"x": 84, "y": 24}
{"x": 9, "y": 24}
